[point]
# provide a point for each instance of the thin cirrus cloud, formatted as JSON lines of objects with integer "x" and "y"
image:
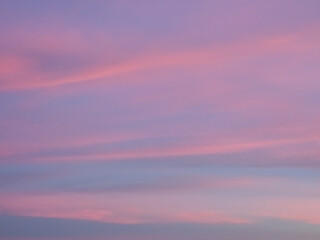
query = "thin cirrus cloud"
{"x": 97, "y": 230}
{"x": 77, "y": 153}
{"x": 209, "y": 55}
{"x": 124, "y": 120}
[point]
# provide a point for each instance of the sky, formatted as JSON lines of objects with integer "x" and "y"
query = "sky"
{"x": 159, "y": 120}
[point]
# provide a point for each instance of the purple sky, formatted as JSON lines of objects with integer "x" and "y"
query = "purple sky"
{"x": 159, "y": 120}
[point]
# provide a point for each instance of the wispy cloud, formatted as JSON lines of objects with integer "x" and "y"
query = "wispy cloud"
{"x": 211, "y": 56}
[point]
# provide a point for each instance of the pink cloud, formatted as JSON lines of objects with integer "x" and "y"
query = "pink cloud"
{"x": 213, "y": 56}
{"x": 56, "y": 206}
{"x": 173, "y": 206}
{"x": 304, "y": 209}
{"x": 12, "y": 65}
{"x": 208, "y": 217}
{"x": 192, "y": 150}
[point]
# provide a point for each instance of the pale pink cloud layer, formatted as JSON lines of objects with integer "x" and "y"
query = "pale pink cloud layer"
{"x": 160, "y": 120}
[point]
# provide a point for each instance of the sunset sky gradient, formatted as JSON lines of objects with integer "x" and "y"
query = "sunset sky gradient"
{"x": 160, "y": 120}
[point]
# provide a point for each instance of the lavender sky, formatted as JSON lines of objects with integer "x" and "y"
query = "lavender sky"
{"x": 159, "y": 119}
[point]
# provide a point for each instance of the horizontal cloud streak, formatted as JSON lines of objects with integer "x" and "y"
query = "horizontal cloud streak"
{"x": 159, "y": 120}
{"x": 28, "y": 227}
{"x": 204, "y": 149}
{"x": 209, "y": 55}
